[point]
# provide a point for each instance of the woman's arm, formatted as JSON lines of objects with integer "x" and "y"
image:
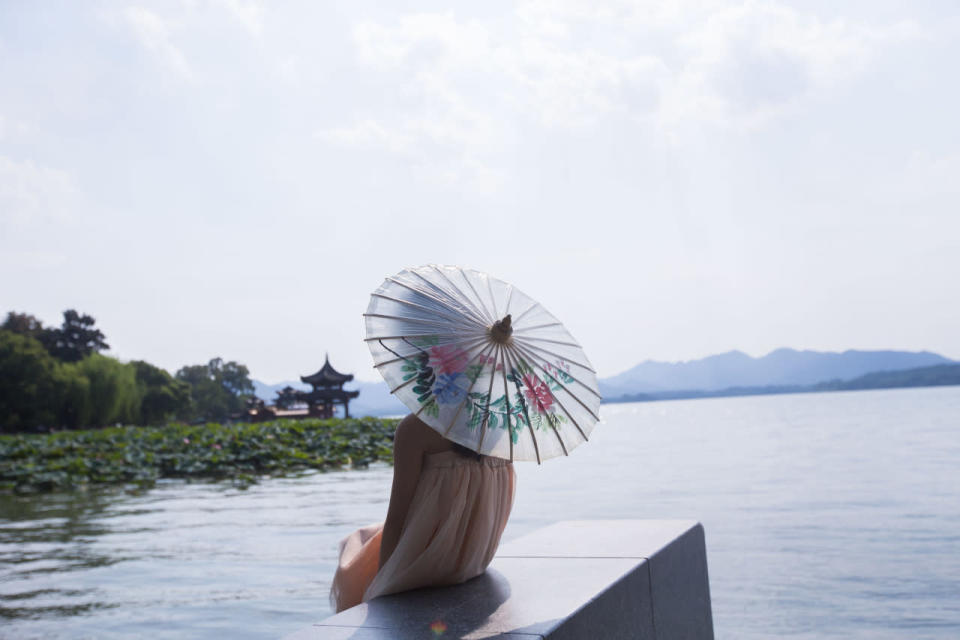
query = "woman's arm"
{"x": 408, "y": 448}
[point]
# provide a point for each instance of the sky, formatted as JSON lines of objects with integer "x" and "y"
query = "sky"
{"x": 671, "y": 180}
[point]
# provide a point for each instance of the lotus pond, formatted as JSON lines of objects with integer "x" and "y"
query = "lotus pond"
{"x": 242, "y": 452}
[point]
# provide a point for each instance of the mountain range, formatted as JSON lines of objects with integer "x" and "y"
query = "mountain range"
{"x": 783, "y": 367}
{"x": 780, "y": 371}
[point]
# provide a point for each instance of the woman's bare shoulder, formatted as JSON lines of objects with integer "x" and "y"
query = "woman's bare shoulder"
{"x": 414, "y": 432}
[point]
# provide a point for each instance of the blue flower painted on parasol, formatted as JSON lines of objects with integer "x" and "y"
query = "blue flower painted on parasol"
{"x": 449, "y": 389}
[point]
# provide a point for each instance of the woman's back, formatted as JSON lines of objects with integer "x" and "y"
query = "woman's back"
{"x": 450, "y": 532}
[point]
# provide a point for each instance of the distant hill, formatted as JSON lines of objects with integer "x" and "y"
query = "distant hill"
{"x": 935, "y": 376}
{"x": 783, "y": 367}
{"x": 268, "y": 392}
{"x": 374, "y": 398}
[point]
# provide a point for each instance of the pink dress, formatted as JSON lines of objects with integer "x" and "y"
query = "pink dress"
{"x": 450, "y": 534}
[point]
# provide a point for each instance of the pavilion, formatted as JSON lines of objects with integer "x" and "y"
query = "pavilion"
{"x": 327, "y": 391}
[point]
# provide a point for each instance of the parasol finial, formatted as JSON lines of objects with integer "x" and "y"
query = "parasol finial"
{"x": 501, "y": 330}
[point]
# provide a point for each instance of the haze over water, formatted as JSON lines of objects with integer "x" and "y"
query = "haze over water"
{"x": 826, "y": 515}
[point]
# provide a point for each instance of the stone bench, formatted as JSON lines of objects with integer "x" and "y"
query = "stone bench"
{"x": 588, "y": 579}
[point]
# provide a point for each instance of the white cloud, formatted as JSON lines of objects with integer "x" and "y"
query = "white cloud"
{"x": 289, "y": 70}
{"x": 12, "y": 129}
{"x": 468, "y": 62}
{"x": 747, "y": 63}
{"x": 368, "y": 134}
{"x": 34, "y": 260}
{"x": 155, "y": 34}
{"x": 249, "y": 14}
{"x": 34, "y": 193}
{"x": 448, "y": 149}
{"x": 926, "y": 185}
{"x": 465, "y": 84}
{"x": 760, "y": 158}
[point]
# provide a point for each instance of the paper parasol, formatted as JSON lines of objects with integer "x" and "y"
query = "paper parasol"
{"x": 482, "y": 363}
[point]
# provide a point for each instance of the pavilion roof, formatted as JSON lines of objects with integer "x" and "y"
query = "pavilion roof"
{"x": 327, "y": 375}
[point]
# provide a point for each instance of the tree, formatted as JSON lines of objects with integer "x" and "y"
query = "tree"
{"x": 75, "y": 339}
{"x": 161, "y": 396}
{"x": 234, "y": 377}
{"x": 75, "y": 408}
{"x": 113, "y": 395}
{"x": 24, "y": 324}
{"x": 217, "y": 388}
{"x": 29, "y": 390}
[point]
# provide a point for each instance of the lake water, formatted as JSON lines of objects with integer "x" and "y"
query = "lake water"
{"x": 826, "y": 515}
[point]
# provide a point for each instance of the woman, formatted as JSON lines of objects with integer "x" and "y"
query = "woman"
{"x": 448, "y": 508}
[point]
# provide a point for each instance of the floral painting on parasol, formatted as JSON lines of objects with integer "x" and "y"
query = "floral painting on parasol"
{"x": 482, "y": 363}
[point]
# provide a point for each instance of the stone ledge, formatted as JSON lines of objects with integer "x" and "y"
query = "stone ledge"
{"x": 576, "y": 579}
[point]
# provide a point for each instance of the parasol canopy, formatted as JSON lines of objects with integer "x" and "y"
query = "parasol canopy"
{"x": 482, "y": 363}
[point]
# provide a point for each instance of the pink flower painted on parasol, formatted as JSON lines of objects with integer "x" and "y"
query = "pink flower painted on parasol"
{"x": 448, "y": 358}
{"x": 538, "y": 393}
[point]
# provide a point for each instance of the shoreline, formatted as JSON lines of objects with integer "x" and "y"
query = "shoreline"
{"x": 242, "y": 452}
{"x": 938, "y": 376}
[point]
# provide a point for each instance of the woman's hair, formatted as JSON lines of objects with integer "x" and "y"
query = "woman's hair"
{"x": 465, "y": 452}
